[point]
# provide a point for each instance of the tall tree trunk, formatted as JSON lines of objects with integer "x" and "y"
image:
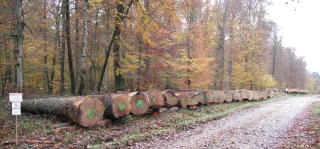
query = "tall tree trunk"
{"x": 192, "y": 19}
{"x": 118, "y": 78}
{"x": 95, "y": 50}
{"x": 45, "y": 59}
{"x": 106, "y": 54}
{"x": 70, "y": 61}
{"x": 57, "y": 42}
{"x": 274, "y": 57}
{"x": 77, "y": 46}
{"x": 84, "y": 49}
{"x": 117, "y": 27}
{"x": 20, "y": 28}
{"x": 63, "y": 47}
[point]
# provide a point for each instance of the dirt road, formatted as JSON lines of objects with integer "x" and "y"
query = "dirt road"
{"x": 262, "y": 126}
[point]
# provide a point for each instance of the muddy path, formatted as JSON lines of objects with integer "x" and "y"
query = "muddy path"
{"x": 261, "y": 126}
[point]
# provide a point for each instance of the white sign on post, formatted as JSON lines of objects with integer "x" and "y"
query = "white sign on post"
{"x": 15, "y": 97}
{"x": 16, "y": 111}
{"x": 16, "y": 105}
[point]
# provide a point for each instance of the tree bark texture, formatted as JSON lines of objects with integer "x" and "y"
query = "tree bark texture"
{"x": 70, "y": 61}
{"x": 20, "y": 28}
{"x": 84, "y": 50}
{"x": 85, "y": 111}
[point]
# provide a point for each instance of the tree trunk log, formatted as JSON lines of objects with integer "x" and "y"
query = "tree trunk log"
{"x": 208, "y": 97}
{"x": 256, "y": 95}
{"x": 139, "y": 103}
{"x": 242, "y": 95}
{"x": 201, "y": 98}
{"x": 184, "y": 99}
{"x": 222, "y": 97}
{"x": 235, "y": 95}
{"x": 155, "y": 99}
{"x": 196, "y": 97}
{"x": 216, "y": 96}
{"x": 250, "y": 95}
{"x": 116, "y": 106}
{"x": 171, "y": 100}
{"x": 85, "y": 111}
{"x": 228, "y": 96}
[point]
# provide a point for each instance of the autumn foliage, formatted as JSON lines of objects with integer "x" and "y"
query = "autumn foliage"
{"x": 165, "y": 44}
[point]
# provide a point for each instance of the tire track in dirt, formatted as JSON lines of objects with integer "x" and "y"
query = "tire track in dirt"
{"x": 261, "y": 126}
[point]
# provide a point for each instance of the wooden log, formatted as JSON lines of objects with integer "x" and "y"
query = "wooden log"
{"x": 139, "y": 103}
{"x": 208, "y": 97}
{"x": 228, "y": 95}
{"x": 171, "y": 100}
{"x": 256, "y": 95}
{"x": 85, "y": 111}
{"x": 250, "y": 94}
{"x": 235, "y": 95}
{"x": 216, "y": 96}
{"x": 265, "y": 94}
{"x": 195, "y": 99}
{"x": 184, "y": 99}
{"x": 243, "y": 94}
{"x": 201, "y": 98}
{"x": 222, "y": 97}
{"x": 155, "y": 99}
{"x": 116, "y": 106}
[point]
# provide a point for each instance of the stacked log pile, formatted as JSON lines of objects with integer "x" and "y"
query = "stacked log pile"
{"x": 297, "y": 91}
{"x": 89, "y": 111}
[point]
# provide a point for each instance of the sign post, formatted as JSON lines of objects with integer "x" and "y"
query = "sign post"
{"x": 16, "y": 99}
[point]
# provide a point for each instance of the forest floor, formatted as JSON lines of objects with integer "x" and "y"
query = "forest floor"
{"x": 283, "y": 122}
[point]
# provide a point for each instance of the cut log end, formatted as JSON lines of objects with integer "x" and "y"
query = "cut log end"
{"x": 139, "y": 103}
{"x": 155, "y": 99}
{"x": 121, "y": 106}
{"x": 228, "y": 96}
{"x": 86, "y": 112}
{"x": 184, "y": 99}
{"x": 171, "y": 100}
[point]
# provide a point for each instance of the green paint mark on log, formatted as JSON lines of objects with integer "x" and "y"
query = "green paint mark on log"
{"x": 154, "y": 99}
{"x": 121, "y": 107}
{"x": 90, "y": 113}
{"x": 172, "y": 99}
{"x": 183, "y": 100}
{"x": 140, "y": 103}
{"x": 192, "y": 100}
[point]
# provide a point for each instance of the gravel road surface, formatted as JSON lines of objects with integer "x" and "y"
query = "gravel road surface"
{"x": 261, "y": 126}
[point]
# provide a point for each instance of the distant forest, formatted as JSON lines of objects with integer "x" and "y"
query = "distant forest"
{"x": 78, "y": 47}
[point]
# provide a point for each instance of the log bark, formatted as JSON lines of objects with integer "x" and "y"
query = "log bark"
{"x": 85, "y": 111}
{"x": 116, "y": 106}
{"x": 171, "y": 100}
{"x": 155, "y": 99}
{"x": 228, "y": 96}
{"x": 139, "y": 103}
